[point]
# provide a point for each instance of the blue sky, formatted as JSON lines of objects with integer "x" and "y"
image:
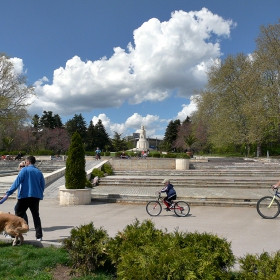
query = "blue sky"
{"x": 125, "y": 62}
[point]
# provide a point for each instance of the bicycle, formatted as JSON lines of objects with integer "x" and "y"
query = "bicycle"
{"x": 154, "y": 207}
{"x": 268, "y": 207}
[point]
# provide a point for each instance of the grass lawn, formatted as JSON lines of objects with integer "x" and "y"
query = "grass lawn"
{"x": 30, "y": 262}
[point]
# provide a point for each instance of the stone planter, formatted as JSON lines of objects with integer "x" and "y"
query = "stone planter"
{"x": 74, "y": 196}
{"x": 182, "y": 164}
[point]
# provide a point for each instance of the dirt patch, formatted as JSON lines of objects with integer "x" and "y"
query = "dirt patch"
{"x": 63, "y": 273}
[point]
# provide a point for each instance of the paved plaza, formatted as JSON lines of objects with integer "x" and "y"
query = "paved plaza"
{"x": 242, "y": 226}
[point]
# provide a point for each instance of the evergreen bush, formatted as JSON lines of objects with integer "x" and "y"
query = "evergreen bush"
{"x": 97, "y": 172}
{"x": 182, "y": 155}
{"x": 87, "y": 248}
{"x": 107, "y": 168}
{"x": 143, "y": 252}
{"x": 168, "y": 155}
{"x": 88, "y": 184}
{"x": 260, "y": 267}
{"x": 75, "y": 175}
{"x": 155, "y": 155}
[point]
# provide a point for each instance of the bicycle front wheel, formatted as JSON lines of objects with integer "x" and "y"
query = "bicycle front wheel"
{"x": 268, "y": 207}
{"x": 181, "y": 208}
{"x": 153, "y": 208}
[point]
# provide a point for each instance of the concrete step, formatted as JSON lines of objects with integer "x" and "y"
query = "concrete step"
{"x": 113, "y": 181}
{"x": 4, "y": 187}
{"x": 224, "y": 202}
{"x": 204, "y": 173}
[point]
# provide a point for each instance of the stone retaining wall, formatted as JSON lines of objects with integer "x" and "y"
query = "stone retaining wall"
{"x": 144, "y": 164}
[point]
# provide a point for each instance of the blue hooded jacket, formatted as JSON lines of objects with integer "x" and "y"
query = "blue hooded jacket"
{"x": 169, "y": 190}
{"x": 30, "y": 182}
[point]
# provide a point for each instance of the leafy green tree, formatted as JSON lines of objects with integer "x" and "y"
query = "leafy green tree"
{"x": 35, "y": 121}
{"x": 47, "y": 120}
{"x": 57, "y": 121}
{"x": 14, "y": 92}
{"x": 170, "y": 135}
{"x": 118, "y": 143}
{"x": 91, "y": 137}
{"x": 14, "y": 95}
{"x": 102, "y": 137}
{"x": 233, "y": 96}
{"x": 77, "y": 124}
{"x": 75, "y": 175}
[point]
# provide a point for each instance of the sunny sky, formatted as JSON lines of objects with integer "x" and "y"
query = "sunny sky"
{"x": 128, "y": 63}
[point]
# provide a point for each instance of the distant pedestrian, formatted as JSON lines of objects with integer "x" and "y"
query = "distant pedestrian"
{"x": 97, "y": 153}
{"x": 19, "y": 156}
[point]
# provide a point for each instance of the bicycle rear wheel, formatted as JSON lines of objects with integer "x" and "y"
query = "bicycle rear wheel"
{"x": 181, "y": 208}
{"x": 153, "y": 208}
{"x": 268, "y": 208}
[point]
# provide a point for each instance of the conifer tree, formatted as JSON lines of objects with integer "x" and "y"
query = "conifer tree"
{"x": 75, "y": 175}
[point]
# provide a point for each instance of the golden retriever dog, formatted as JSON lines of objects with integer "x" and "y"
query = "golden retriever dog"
{"x": 14, "y": 226}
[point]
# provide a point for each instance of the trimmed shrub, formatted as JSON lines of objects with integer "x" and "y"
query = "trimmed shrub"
{"x": 97, "y": 172}
{"x": 107, "y": 168}
{"x": 88, "y": 184}
{"x": 155, "y": 155}
{"x": 143, "y": 252}
{"x": 75, "y": 175}
{"x": 182, "y": 155}
{"x": 260, "y": 267}
{"x": 44, "y": 153}
{"x": 168, "y": 155}
{"x": 87, "y": 248}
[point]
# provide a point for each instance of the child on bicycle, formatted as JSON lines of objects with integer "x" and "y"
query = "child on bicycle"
{"x": 170, "y": 193}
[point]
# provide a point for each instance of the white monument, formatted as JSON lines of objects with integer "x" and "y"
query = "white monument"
{"x": 142, "y": 143}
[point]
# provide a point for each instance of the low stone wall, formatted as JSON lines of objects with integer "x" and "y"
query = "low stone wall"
{"x": 144, "y": 164}
{"x": 49, "y": 178}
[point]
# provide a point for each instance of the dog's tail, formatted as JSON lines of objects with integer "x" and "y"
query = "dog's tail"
{"x": 24, "y": 228}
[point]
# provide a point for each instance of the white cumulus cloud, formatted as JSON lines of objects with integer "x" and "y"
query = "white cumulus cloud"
{"x": 164, "y": 57}
{"x": 132, "y": 124}
{"x": 187, "y": 110}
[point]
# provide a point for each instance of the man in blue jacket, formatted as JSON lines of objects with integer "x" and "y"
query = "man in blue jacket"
{"x": 30, "y": 183}
{"x": 170, "y": 192}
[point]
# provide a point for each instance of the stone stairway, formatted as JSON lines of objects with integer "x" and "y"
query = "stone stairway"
{"x": 204, "y": 172}
{"x": 4, "y": 187}
{"x": 216, "y": 183}
{"x": 9, "y": 168}
{"x": 188, "y": 182}
{"x": 46, "y": 166}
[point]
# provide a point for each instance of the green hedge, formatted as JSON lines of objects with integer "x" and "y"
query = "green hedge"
{"x": 97, "y": 172}
{"x": 260, "y": 267}
{"x": 86, "y": 248}
{"x": 107, "y": 168}
{"x": 141, "y": 251}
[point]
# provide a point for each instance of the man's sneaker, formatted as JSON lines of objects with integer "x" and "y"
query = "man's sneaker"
{"x": 167, "y": 209}
{"x": 39, "y": 239}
